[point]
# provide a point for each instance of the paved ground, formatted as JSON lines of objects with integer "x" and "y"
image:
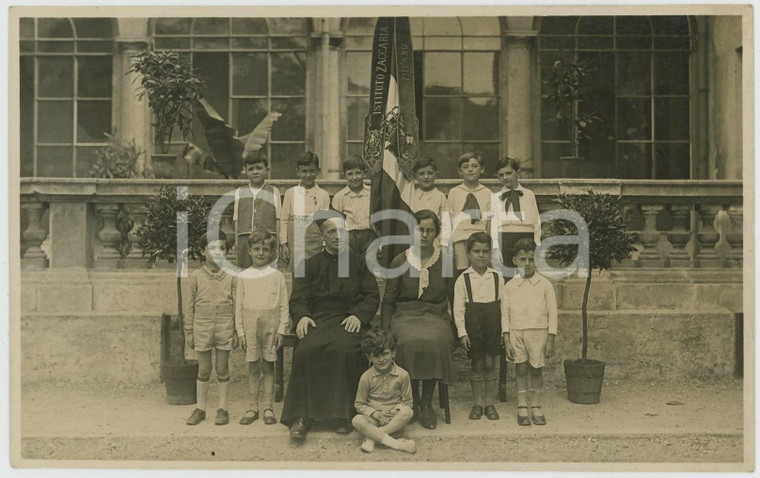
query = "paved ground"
{"x": 634, "y": 423}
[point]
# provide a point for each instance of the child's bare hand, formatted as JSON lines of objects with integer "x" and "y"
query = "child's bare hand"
{"x": 279, "y": 341}
{"x": 303, "y": 327}
{"x": 285, "y": 253}
{"x": 465, "y": 341}
{"x": 190, "y": 341}
{"x": 549, "y": 349}
{"x": 235, "y": 341}
{"x": 243, "y": 344}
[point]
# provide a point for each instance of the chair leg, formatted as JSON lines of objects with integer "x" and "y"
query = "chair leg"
{"x": 443, "y": 397}
{"x": 502, "y": 378}
{"x": 278, "y": 375}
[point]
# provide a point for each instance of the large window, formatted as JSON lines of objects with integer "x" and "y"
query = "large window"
{"x": 251, "y": 66}
{"x": 457, "y": 71}
{"x": 66, "y": 86}
{"x": 639, "y": 87}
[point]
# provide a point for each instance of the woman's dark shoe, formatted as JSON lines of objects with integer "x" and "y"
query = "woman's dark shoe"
{"x": 491, "y": 412}
{"x": 269, "y": 418}
{"x": 344, "y": 427}
{"x": 249, "y": 417}
{"x": 476, "y": 412}
{"x": 298, "y": 429}
{"x": 427, "y": 417}
{"x": 523, "y": 420}
{"x": 537, "y": 417}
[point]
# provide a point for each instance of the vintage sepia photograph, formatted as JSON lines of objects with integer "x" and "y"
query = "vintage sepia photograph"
{"x": 413, "y": 238}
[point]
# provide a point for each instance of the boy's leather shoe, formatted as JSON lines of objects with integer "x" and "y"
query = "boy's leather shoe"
{"x": 298, "y": 429}
{"x": 222, "y": 417}
{"x": 197, "y": 416}
{"x": 476, "y": 412}
{"x": 523, "y": 421}
{"x": 269, "y": 418}
{"x": 491, "y": 412}
{"x": 537, "y": 419}
{"x": 427, "y": 417}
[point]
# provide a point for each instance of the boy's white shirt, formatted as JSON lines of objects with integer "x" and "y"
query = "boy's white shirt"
{"x": 529, "y": 304}
{"x": 461, "y": 225}
{"x": 421, "y": 198}
{"x": 482, "y": 292}
{"x": 507, "y": 221}
{"x": 295, "y": 205}
{"x": 273, "y": 287}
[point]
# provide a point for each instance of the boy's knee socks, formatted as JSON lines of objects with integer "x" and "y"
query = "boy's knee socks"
{"x": 201, "y": 388}
{"x": 522, "y": 398}
{"x": 253, "y": 391}
{"x": 267, "y": 391}
{"x": 535, "y": 396}
{"x": 491, "y": 386}
{"x": 478, "y": 388}
{"x": 224, "y": 387}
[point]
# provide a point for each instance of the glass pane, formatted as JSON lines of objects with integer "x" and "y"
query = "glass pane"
{"x": 211, "y": 26}
{"x": 26, "y": 28}
{"x": 94, "y": 27}
{"x": 552, "y": 126}
{"x": 54, "y": 28}
{"x": 247, "y": 114}
{"x": 93, "y": 120}
{"x": 598, "y": 158}
{"x": 54, "y": 120}
{"x": 600, "y": 67}
{"x": 357, "y": 110}
{"x": 292, "y": 124}
{"x": 556, "y": 43}
{"x": 361, "y": 26}
{"x": 95, "y": 76}
{"x": 482, "y": 43}
{"x": 634, "y": 119}
{"x": 249, "y": 74}
{"x": 442, "y": 73}
{"x": 480, "y": 120}
{"x": 358, "y": 43}
{"x": 480, "y": 25}
{"x": 595, "y": 43}
{"x": 55, "y": 46}
{"x": 634, "y": 161}
{"x": 287, "y": 26}
{"x": 283, "y": 160}
{"x": 288, "y": 43}
{"x": 671, "y": 118}
{"x": 358, "y": 72}
{"x": 481, "y": 73}
{"x": 602, "y": 128}
{"x": 249, "y": 26}
{"x": 200, "y": 43}
{"x": 672, "y": 43}
{"x": 173, "y": 26}
{"x": 26, "y": 46}
{"x": 671, "y": 72}
{"x": 446, "y": 156}
{"x": 288, "y": 74}
{"x": 54, "y": 162}
{"x": 26, "y": 96}
{"x": 442, "y": 26}
{"x": 213, "y": 68}
{"x": 490, "y": 152}
{"x": 442, "y": 118}
{"x": 551, "y": 164}
{"x": 172, "y": 43}
{"x": 672, "y": 161}
{"x": 558, "y": 25}
{"x": 665, "y": 25}
{"x": 632, "y": 25}
{"x": 595, "y": 26}
{"x": 634, "y": 43}
{"x": 85, "y": 159}
{"x": 89, "y": 46}
{"x": 442, "y": 43}
{"x": 252, "y": 43}
{"x": 634, "y": 74}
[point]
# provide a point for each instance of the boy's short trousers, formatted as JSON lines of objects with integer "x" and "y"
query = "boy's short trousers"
{"x": 461, "y": 261}
{"x": 529, "y": 346}
{"x": 212, "y": 332}
{"x": 260, "y": 330}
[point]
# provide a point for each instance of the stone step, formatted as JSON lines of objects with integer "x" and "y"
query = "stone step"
{"x": 124, "y": 348}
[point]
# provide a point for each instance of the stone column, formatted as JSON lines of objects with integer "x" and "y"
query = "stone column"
{"x": 679, "y": 236}
{"x": 33, "y": 236}
{"x": 132, "y": 116}
{"x": 518, "y": 97}
{"x": 326, "y": 42}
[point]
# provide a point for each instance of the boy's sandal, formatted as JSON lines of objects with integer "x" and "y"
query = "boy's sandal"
{"x": 537, "y": 419}
{"x": 249, "y": 417}
{"x": 523, "y": 420}
{"x": 269, "y": 418}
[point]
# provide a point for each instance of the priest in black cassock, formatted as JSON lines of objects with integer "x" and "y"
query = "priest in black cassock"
{"x": 332, "y": 308}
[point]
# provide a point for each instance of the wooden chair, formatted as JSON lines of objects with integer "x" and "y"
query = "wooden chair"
{"x": 290, "y": 341}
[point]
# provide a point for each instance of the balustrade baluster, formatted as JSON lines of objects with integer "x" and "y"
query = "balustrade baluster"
{"x": 650, "y": 256}
{"x": 735, "y": 236}
{"x": 33, "y": 236}
{"x": 708, "y": 237}
{"x": 137, "y": 212}
{"x": 109, "y": 235}
{"x": 679, "y": 236}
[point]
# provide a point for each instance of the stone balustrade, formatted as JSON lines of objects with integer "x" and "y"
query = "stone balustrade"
{"x": 92, "y": 223}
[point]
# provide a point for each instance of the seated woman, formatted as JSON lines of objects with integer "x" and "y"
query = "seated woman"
{"x": 331, "y": 311}
{"x": 416, "y": 308}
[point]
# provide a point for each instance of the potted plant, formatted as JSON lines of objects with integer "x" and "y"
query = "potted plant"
{"x": 172, "y": 90}
{"x": 606, "y": 219}
{"x": 566, "y": 83}
{"x": 158, "y": 240}
{"x": 117, "y": 160}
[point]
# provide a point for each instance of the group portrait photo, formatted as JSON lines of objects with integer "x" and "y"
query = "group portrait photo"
{"x": 418, "y": 238}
